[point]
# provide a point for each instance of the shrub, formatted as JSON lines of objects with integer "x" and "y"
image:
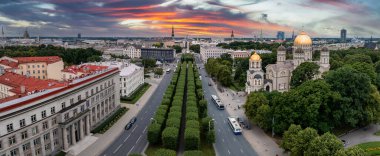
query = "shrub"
{"x": 177, "y": 102}
{"x": 205, "y": 122}
{"x": 192, "y": 139}
{"x": 210, "y": 136}
{"x": 154, "y": 132}
{"x": 192, "y": 116}
{"x": 192, "y": 124}
{"x": 193, "y": 153}
{"x": 175, "y": 109}
{"x": 160, "y": 119}
{"x": 173, "y": 122}
{"x": 175, "y": 114}
{"x": 191, "y": 108}
{"x": 164, "y": 152}
{"x": 170, "y": 138}
{"x": 161, "y": 112}
{"x": 166, "y": 102}
{"x": 191, "y": 103}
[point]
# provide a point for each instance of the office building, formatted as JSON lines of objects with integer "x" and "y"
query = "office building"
{"x": 280, "y": 35}
{"x": 161, "y": 54}
{"x": 343, "y": 35}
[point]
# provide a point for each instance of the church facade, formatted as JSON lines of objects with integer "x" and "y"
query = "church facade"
{"x": 277, "y": 76}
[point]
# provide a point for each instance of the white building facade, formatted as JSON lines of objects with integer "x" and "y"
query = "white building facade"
{"x": 131, "y": 78}
{"x": 210, "y": 51}
{"x": 57, "y": 119}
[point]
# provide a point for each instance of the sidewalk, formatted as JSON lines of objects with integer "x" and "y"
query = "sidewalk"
{"x": 259, "y": 140}
{"x": 106, "y": 139}
{"x": 361, "y": 135}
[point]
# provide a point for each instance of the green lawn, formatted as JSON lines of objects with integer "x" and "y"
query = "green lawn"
{"x": 207, "y": 149}
{"x": 151, "y": 149}
{"x": 377, "y": 133}
{"x": 136, "y": 95}
{"x": 372, "y": 148}
{"x": 236, "y": 87}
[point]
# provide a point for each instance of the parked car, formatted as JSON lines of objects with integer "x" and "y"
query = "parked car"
{"x": 209, "y": 84}
{"x": 133, "y": 120}
{"x": 128, "y": 126}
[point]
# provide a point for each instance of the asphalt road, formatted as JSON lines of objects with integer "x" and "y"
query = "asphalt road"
{"x": 134, "y": 140}
{"x": 227, "y": 143}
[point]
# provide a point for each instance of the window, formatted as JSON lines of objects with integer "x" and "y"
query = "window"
{"x": 28, "y": 66}
{"x": 24, "y": 135}
{"x": 47, "y": 136}
{"x": 87, "y": 94}
{"x": 12, "y": 140}
{"x": 14, "y": 152}
{"x": 82, "y": 107}
{"x": 47, "y": 147}
{"x": 37, "y": 141}
{"x": 54, "y": 121}
{"x": 75, "y": 111}
{"x": 33, "y": 118}
{"x": 56, "y": 143}
{"x": 35, "y": 130}
{"x": 25, "y": 147}
{"x": 71, "y": 101}
{"x": 52, "y": 110}
{"x": 66, "y": 116}
{"x": 63, "y": 105}
{"x": 43, "y": 114}
{"x": 79, "y": 97}
{"x": 22, "y": 122}
{"x": 33, "y": 66}
{"x": 10, "y": 128}
{"x": 45, "y": 125}
{"x": 55, "y": 132}
{"x": 1, "y": 144}
{"x": 38, "y": 66}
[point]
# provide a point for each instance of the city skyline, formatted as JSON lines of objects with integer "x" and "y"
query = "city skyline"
{"x": 150, "y": 18}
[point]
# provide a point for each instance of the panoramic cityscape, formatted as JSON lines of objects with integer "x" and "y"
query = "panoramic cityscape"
{"x": 189, "y": 78}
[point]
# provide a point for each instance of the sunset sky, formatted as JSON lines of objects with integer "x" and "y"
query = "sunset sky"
{"x": 215, "y": 18}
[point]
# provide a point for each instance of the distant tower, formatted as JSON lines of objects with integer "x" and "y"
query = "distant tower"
{"x": 26, "y": 34}
{"x": 79, "y": 36}
{"x": 343, "y": 35}
{"x": 261, "y": 34}
{"x": 232, "y": 36}
{"x": 255, "y": 74}
{"x": 280, "y": 35}
{"x": 2, "y": 33}
{"x": 281, "y": 54}
{"x": 293, "y": 36}
{"x": 172, "y": 32}
{"x": 324, "y": 62}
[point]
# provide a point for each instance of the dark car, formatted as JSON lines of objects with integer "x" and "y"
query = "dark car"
{"x": 133, "y": 120}
{"x": 128, "y": 126}
{"x": 209, "y": 84}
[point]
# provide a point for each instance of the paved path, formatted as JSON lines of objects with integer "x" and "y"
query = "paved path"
{"x": 258, "y": 139}
{"x": 105, "y": 140}
{"x": 361, "y": 135}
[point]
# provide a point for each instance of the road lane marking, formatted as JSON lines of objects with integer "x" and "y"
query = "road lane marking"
{"x": 224, "y": 121}
{"x": 218, "y": 130}
{"x": 126, "y": 138}
{"x": 138, "y": 139}
{"x": 223, "y": 140}
{"x": 241, "y": 150}
{"x": 131, "y": 149}
{"x": 229, "y": 153}
{"x": 145, "y": 129}
{"x": 134, "y": 129}
{"x": 235, "y": 139}
{"x": 145, "y": 112}
{"x": 117, "y": 148}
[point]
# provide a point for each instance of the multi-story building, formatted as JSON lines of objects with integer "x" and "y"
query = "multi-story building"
{"x": 55, "y": 119}
{"x": 280, "y": 35}
{"x": 240, "y": 54}
{"x": 209, "y": 51}
{"x": 42, "y": 67}
{"x": 131, "y": 78}
{"x": 133, "y": 52}
{"x": 343, "y": 35}
{"x": 77, "y": 71}
{"x": 161, "y": 54}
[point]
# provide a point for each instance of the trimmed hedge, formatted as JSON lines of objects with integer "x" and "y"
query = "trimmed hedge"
{"x": 173, "y": 122}
{"x": 191, "y": 116}
{"x": 192, "y": 124}
{"x": 192, "y": 139}
{"x": 154, "y": 133}
{"x": 193, "y": 153}
{"x": 170, "y": 138}
{"x": 164, "y": 152}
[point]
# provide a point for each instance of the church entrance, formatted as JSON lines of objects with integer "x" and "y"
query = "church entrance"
{"x": 267, "y": 89}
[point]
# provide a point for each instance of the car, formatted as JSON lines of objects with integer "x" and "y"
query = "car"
{"x": 209, "y": 84}
{"x": 344, "y": 143}
{"x": 133, "y": 120}
{"x": 128, "y": 126}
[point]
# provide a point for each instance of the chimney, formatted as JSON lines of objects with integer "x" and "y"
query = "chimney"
{"x": 22, "y": 88}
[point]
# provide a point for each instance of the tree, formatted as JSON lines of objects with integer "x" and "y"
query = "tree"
{"x": 158, "y": 71}
{"x": 304, "y": 72}
{"x": 192, "y": 139}
{"x": 148, "y": 63}
{"x": 365, "y": 68}
{"x": 227, "y": 57}
{"x": 170, "y": 138}
{"x": 158, "y": 45}
{"x": 303, "y": 139}
{"x": 178, "y": 49}
{"x": 377, "y": 67}
{"x": 94, "y": 58}
{"x": 290, "y": 137}
{"x": 195, "y": 48}
{"x": 351, "y": 59}
{"x": 154, "y": 132}
{"x": 327, "y": 144}
{"x": 352, "y": 151}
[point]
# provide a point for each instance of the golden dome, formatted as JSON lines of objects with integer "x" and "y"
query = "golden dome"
{"x": 303, "y": 39}
{"x": 255, "y": 57}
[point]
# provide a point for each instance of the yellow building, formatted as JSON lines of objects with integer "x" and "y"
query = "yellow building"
{"x": 44, "y": 67}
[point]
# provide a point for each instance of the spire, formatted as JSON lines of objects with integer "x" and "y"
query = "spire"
{"x": 261, "y": 34}
{"x": 26, "y": 34}
{"x": 172, "y": 32}
{"x": 2, "y": 32}
{"x": 232, "y": 34}
{"x": 293, "y": 35}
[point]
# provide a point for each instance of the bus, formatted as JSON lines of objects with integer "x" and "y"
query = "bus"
{"x": 234, "y": 124}
{"x": 217, "y": 102}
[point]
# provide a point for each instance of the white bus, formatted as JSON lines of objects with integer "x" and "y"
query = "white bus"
{"x": 217, "y": 102}
{"x": 234, "y": 124}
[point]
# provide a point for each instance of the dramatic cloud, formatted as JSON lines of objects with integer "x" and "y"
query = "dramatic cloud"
{"x": 215, "y": 18}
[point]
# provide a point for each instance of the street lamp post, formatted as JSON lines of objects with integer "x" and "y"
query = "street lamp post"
{"x": 209, "y": 122}
{"x": 155, "y": 121}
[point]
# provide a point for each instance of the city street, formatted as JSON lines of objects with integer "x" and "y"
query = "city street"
{"x": 135, "y": 140}
{"x": 226, "y": 143}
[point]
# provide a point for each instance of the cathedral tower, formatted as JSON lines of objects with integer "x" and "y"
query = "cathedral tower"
{"x": 302, "y": 49}
{"x": 255, "y": 74}
{"x": 281, "y": 54}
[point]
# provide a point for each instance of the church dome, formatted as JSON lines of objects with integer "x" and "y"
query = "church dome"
{"x": 303, "y": 40}
{"x": 255, "y": 57}
{"x": 281, "y": 48}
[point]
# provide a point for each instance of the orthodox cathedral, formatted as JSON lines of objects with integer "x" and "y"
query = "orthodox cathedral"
{"x": 278, "y": 76}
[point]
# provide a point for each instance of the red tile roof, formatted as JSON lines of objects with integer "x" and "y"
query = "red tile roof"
{"x": 9, "y": 63}
{"x": 31, "y": 84}
{"x": 47, "y": 59}
{"x": 86, "y": 69}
